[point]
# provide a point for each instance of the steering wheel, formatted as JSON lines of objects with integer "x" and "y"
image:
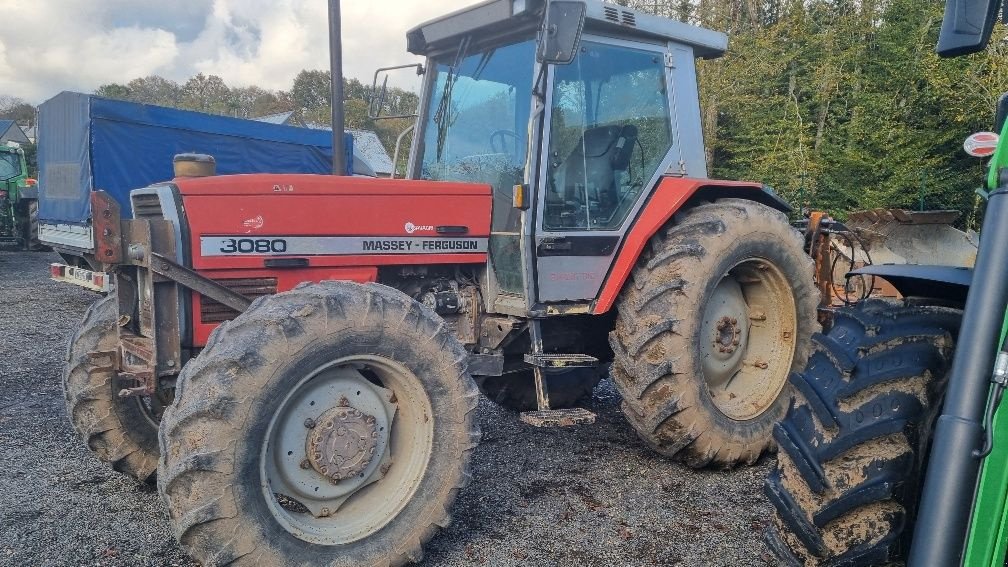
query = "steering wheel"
{"x": 498, "y": 136}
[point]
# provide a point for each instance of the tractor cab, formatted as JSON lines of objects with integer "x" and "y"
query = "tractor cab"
{"x": 572, "y": 145}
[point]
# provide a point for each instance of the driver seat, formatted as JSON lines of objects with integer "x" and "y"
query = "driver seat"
{"x": 601, "y": 152}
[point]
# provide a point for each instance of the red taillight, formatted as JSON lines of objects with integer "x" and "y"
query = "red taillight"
{"x": 3, "y": 194}
{"x": 31, "y": 182}
{"x": 981, "y": 144}
{"x": 98, "y": 281}
{"x": 55, "y": 270}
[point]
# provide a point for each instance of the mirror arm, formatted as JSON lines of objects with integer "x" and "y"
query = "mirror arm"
{"x": 395, "y": 153}
{"x": 374, "y": 110}
{"x": 539, "y": 85}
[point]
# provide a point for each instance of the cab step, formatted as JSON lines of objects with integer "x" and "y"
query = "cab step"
{"x": 552, "y": 360}
{"x": 558, "y": 417}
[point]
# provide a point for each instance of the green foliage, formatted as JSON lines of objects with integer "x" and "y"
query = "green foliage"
{"x": 838, "y": 104}
{"x": 31, "y": 158}
{"x": 843, "y": 104}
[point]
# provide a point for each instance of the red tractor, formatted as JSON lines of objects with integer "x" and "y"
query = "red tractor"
{"x": 299, "y": 357}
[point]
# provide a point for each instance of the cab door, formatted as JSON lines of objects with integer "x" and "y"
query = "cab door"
{"x": 610, "y": 136}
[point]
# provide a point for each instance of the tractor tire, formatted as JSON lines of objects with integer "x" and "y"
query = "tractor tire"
{"x": 719, "y": 309}
{"x": 853, "y": 445}
{"x": 251, "y": 470}
{"x": 120, "y": 431}
{"x": 31, "y": 237}
{"x": 516, "y": 390}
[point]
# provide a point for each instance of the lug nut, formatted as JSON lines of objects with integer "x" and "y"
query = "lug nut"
{"x": 309, "y": 423}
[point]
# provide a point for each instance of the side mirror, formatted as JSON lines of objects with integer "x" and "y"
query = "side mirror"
{"x": 561, "y": 32}
{"x": 388, "y": 103}
{"x": 967, "y": 25}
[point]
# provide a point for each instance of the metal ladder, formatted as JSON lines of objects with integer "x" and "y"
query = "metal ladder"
{"x": 544, "y": 416}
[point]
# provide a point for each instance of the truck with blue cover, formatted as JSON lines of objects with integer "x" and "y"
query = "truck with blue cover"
{"x": 87, "y": 143}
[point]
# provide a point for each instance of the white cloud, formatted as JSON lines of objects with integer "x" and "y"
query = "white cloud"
{"x": 81, "y": 44}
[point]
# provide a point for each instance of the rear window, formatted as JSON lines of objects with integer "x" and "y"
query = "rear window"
{"x": 10, "y": 165}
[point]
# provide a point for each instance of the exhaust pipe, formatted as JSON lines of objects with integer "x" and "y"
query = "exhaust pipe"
{"x": 336, "y": 74}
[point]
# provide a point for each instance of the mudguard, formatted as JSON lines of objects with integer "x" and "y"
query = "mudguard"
{"x": 940, "y": 282}
{"x": 671, "y": 195}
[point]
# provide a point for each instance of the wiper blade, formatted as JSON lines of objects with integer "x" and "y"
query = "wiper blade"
{"x": 442, "y": 117}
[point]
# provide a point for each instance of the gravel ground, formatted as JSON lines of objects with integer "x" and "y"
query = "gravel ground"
{"x": 591, "y": 496}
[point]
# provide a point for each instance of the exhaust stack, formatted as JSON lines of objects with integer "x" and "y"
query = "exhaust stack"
{"x": 339, "y": 165}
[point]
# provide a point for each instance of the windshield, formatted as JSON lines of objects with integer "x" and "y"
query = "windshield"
{"x": 476, "y": 130}
{"x": 476, "y": 124}
{"x": 10, "y": 165}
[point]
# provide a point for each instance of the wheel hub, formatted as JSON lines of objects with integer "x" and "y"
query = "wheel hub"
{"x": 343, "y": 442}
{"x": 726, "y": 336}
{"x": 724, "y": 331}
{"x": 747, "y": 338}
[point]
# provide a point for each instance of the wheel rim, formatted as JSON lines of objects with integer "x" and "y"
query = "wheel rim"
{"x": 747, "y": 338}
{"x": 346, "y": 449}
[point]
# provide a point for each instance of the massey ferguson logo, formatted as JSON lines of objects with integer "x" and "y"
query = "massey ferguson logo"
{"x": 254, "y": 222}
{"x": 411, "y": 228}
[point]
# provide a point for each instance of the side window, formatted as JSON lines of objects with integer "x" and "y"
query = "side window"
{"x": 610, "y": 130}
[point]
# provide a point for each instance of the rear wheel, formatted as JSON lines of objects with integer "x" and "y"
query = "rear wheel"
{"x": 853, "y": 445}
{"x": 720, "y": 308}
{"x": 31, "y": 236}
{"x": 329, "y": 425}
{"x": 120, "y": 431}
{"x": 516, "y": 390}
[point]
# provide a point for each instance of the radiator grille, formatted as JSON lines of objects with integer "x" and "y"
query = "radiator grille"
{"x": 213, "y": 312}
{"x": 146, "y": 206}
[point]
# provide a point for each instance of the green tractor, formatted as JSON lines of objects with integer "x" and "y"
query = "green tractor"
{"x": 18, "y": 201}
{"x": 893, "y": 450}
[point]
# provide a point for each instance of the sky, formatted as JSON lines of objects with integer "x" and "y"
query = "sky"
{"x": 47, "y": 46}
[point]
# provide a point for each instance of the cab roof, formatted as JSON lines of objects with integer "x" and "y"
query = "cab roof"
{"x": 497, "y": 16}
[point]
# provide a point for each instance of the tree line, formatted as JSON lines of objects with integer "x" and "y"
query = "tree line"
{"x": 309, "y": 98}
{"x": 837, "y": 104}
{"x": 844, "y": 104}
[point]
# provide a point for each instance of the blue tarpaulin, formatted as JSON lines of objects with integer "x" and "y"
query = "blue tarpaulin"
{"x": 87, "y": 142}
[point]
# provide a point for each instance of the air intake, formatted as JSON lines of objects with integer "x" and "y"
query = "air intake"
{"x": 618, "y": 16}
{"x": 146, "y": 206}
{"x": 213, "y": 312}
{"x": 194, "y": 165}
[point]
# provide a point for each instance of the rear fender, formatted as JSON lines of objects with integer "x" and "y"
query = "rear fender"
{"x": 672, "y": 195}
{"x": 949, "y": 283}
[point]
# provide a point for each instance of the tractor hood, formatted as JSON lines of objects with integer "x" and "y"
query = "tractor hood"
{"x": 253, "y": 221}
{"x": 504, "y": 17}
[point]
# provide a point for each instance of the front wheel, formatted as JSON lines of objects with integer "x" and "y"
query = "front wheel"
{"x": 853, "y": 444}
{"x": 721, "y": 307}
{"x": 329, "y": 425}
{"x": 120, "y": 431}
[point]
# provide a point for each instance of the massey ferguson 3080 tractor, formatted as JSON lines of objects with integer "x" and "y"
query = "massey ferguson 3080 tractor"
{"x": 299, "y": 357}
